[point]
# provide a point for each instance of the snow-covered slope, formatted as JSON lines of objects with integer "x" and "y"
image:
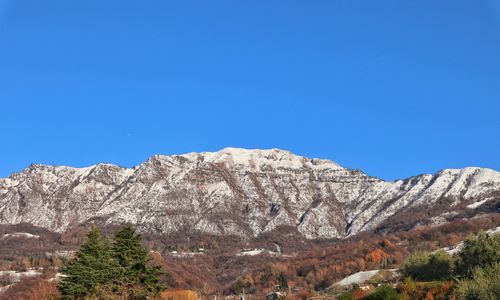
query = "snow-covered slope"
{"x": 232, "y": 191}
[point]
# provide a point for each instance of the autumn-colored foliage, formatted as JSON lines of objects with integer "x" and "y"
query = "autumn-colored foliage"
{"x": 308, "y": 265}
{"x": 32, "y": 289}
{"x": 427, "y": 290}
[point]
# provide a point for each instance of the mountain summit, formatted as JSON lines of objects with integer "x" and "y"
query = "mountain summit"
{"x": 237, "y": 191}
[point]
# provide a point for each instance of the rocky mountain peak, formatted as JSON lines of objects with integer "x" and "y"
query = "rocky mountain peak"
{"x": 253, "y": 159}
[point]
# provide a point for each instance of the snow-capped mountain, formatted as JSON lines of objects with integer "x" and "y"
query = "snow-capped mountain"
{"x": 233, "y": 191}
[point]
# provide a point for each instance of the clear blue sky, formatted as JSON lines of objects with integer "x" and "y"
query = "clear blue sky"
{"x": 395, "y": 88}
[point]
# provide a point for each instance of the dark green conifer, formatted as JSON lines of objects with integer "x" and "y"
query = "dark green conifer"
{"x": 133, "y": 260}
{"x": 92, "y": 265}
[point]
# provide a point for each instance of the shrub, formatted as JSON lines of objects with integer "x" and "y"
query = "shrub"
{"x": 414, "y": 265}
{"x": 478, "y": 251}
{"x": 484, "y": 284}
{"x": 428, "y": 266}
{"x": 346, "y": 296}
{"x": 384, "y": 292}
{"x": 440, "y": 266}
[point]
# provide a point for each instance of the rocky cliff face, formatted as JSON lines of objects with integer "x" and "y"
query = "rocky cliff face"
{"x": 233, "y": 191}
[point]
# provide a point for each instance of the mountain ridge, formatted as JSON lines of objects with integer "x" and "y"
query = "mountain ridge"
{"x": 237, "y": 148}
{"x": 233, "y": 191}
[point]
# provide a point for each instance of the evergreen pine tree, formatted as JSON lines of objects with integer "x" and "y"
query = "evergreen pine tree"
{"x": 92, "y": 265}
{"x": 133, "y": 260}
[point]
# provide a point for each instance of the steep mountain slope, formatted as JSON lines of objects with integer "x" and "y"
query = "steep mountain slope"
{"x": 233, "y": 191}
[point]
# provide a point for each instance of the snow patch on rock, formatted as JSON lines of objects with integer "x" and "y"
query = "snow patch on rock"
{"x": 231, "y": 192}
{"x": 20, "y": 235}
